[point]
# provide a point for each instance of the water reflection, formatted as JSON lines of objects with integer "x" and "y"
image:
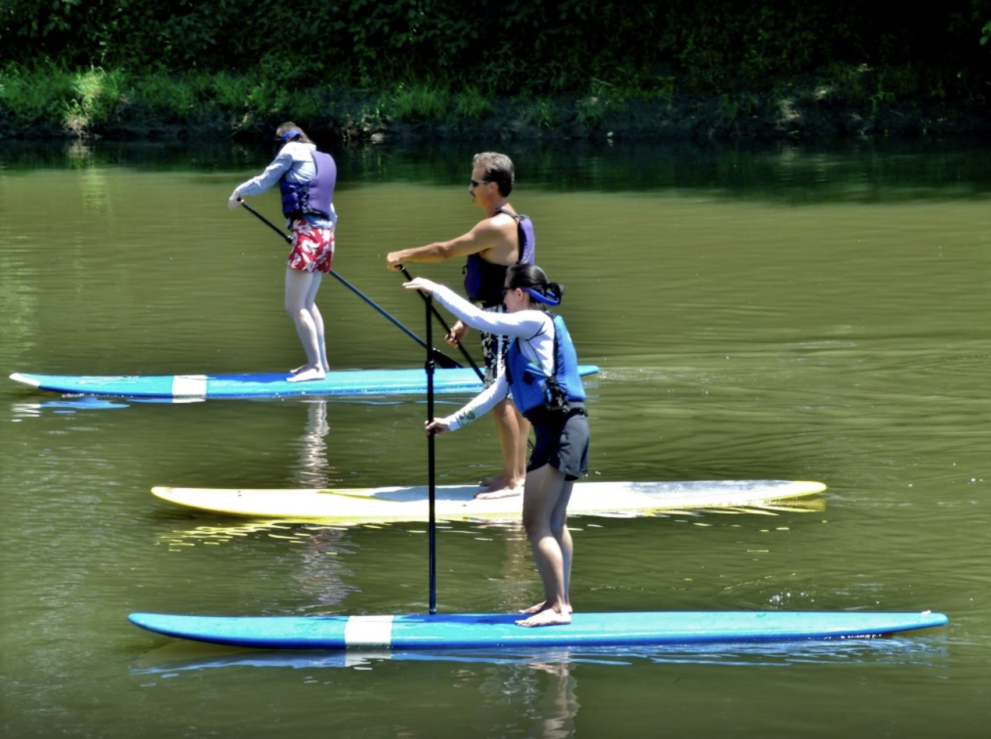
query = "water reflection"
{"x": 536, "y": 692}
{"x": 545, "y": 690}
{"x": 314, "y": 470}
{"x": 858, "y": 171}
{"x": 540, "y": 688}
{"x": 64, "y": 406}
{"x": 561, "y": 662}
{"x": 216, "y": 535}
{"x": 323, "y": 573}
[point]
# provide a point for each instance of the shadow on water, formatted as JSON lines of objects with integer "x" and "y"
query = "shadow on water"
{"x": 546, "y": 692}
{"x": 181, "y": 656}
{"x": 845, "y": 172}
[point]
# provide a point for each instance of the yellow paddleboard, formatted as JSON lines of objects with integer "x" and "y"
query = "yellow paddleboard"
{"x": 458, "y": 502}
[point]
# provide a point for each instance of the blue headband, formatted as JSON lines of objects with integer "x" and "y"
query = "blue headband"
{"x": 540, "y": 297}
{"x": 289, "y": 134}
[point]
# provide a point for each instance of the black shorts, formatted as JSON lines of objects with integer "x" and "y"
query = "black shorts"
{"x": 562, "y": 442}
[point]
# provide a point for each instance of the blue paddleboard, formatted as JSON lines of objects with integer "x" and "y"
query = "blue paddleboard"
{"x": 351, "y": 382}
{"x": 466, "y": 631}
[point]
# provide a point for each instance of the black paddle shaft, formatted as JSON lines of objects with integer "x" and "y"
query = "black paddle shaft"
{"x": 442, "y": 359}
{"x": 443, "y": 323}
{"x": 431, "y": 468}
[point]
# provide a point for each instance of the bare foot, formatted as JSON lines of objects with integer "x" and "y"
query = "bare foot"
{"x": 302, "y": 367}
{"x": 308, "y": 373}
{"x": 546, "y": 617}
{"x": 500, "y": 493}
{"x": 496, "y": 481}
{"x": 542, "y": 607}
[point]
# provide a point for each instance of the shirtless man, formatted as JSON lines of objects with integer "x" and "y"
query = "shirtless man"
{"x": 499, "y": 240}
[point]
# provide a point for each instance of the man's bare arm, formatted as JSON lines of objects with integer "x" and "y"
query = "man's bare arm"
{"x": 484, "y": 236}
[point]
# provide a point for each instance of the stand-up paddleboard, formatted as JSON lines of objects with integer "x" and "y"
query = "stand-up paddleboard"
{"x": 467, "y": 631}
{"x": 351, "y": 382}
{"x": 454, "y": 502}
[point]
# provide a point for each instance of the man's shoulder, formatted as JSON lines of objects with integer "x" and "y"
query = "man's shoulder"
{"x": 498, "y": 234}
{"x": 507, "y": 212}
{"x": 503, "y": 221}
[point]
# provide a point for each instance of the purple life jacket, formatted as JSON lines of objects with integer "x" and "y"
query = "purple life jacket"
{"x": 313, "y": 197}
{"x": 484, "y": 280}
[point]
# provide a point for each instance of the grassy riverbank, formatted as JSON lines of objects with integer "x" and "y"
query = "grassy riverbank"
{"x": 837, "y": 101}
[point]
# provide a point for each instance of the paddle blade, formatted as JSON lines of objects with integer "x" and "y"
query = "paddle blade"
{"x": 442, "y": 360}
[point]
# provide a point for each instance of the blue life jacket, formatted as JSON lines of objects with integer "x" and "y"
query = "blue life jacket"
{"x": 484, "y": 280}
{"x": 533, "y": 390}
{"x": 312, "y": 198}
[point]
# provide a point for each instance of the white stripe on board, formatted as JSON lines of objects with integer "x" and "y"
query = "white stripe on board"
{"x": 189, "y": 386}
{"x": 18, "y": 377}
{"x": 368, "y": 631}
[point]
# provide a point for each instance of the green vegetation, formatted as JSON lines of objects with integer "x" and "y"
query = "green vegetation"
{"x": 124, "y": 68}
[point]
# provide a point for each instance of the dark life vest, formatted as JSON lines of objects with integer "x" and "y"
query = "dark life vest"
{"x": 533, "y": 390}
{"x": 314, "y": 197}
{"x": 484, "y": 280}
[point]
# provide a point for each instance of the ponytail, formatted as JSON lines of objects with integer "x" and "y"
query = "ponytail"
{"x": 532, "y": 280}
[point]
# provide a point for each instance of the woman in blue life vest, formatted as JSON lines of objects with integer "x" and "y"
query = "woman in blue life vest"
{"x": 542, "y": 373}
{"x": 306, "y": 178}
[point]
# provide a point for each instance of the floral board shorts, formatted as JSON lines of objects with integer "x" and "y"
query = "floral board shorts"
{"x": 312, "y": 248}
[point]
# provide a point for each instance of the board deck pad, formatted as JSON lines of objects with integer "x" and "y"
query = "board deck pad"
{"x": 344, "y": 383}
{"x": 458, "y": 502}
{"x": 467, "y": 631}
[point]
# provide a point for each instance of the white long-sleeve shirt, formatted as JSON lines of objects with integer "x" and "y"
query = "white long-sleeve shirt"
{"x": 295, "y": 161}
{"x": 534, "y": 329}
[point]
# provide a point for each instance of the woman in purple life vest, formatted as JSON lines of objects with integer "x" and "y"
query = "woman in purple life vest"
{"x": 306, "y": 179}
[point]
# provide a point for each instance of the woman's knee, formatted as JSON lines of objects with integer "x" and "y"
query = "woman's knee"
{"x": 535, "y": 523}
{"x": 295, "y": 310}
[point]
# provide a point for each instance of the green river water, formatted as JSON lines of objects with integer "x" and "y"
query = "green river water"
{"x": 786, "y": 313}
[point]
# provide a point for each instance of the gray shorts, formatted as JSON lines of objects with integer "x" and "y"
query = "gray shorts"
{"x": 562, "y": 442}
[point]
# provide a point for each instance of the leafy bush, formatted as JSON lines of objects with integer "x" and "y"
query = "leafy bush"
{"x": 513, "y": 47}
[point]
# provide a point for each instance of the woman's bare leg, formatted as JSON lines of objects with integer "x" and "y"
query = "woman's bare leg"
{"x": 513, "y": 430}
{"x": 545, "y": 501}
{"x": 301, "y": 290}
{"x": 559, "y": 529}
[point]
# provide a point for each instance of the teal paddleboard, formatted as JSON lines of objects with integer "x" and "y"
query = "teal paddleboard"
{"x": 349, "y": 382}
{"x": 466, "y": 631}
